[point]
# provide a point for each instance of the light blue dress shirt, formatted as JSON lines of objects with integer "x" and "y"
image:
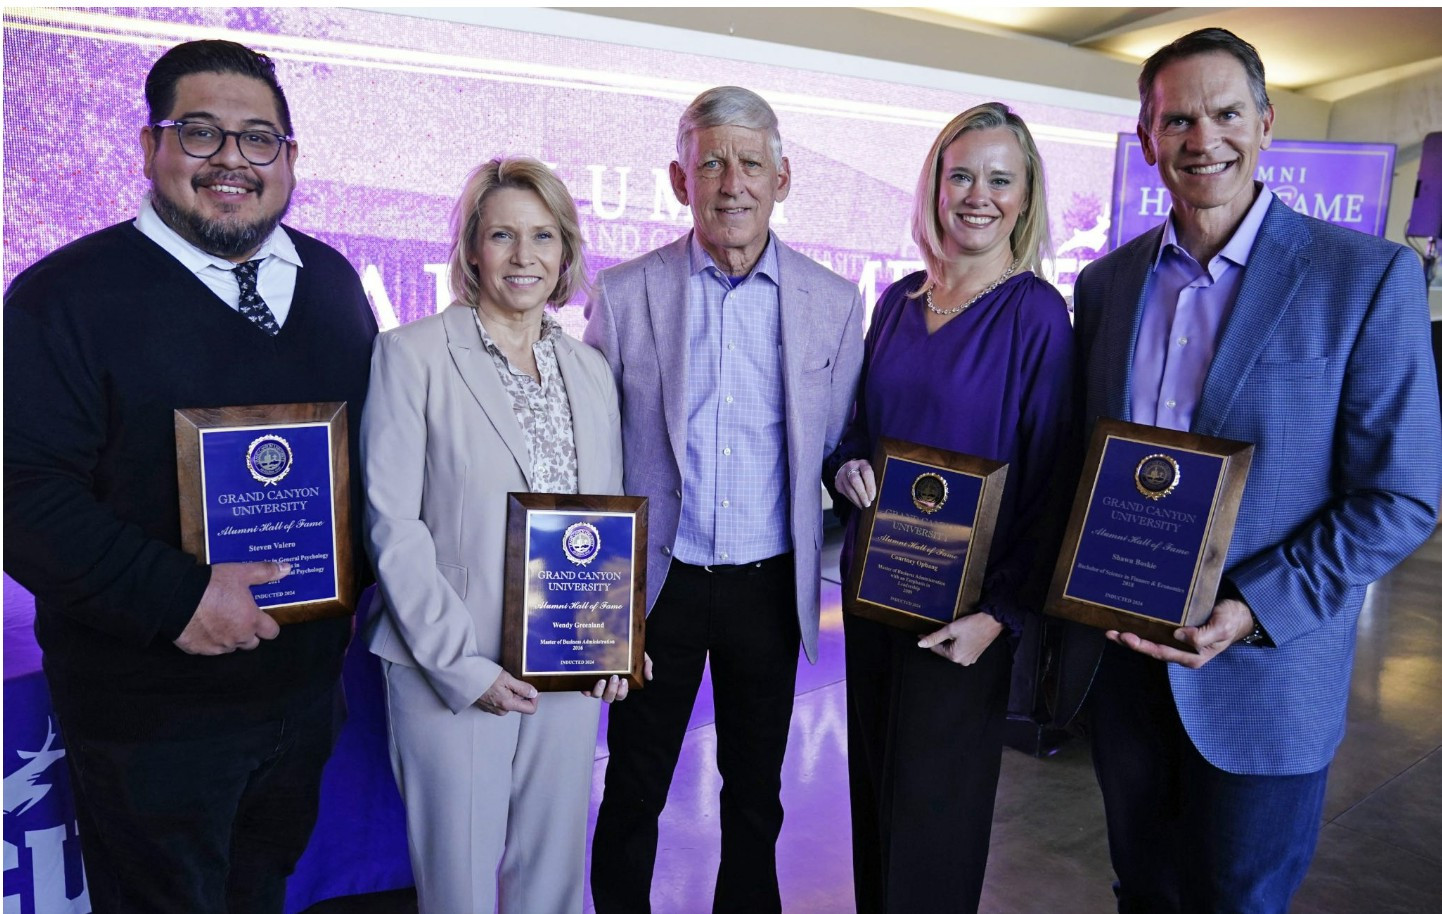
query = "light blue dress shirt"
{"x": 735, "y": 487}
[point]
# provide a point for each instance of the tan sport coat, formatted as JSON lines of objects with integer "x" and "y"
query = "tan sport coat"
{"x": 637, "y": 317}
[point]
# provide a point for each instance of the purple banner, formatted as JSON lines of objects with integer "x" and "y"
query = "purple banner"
{"x": 920, "y": 540}
{"x": 268, "y": 498}
{"x": 604, "y": 115}
{"x": 1347, "y": 184}
{"x": 578, "y": 593}
{"x": 43, "y": 871}
{"x": 1147, "y": 518}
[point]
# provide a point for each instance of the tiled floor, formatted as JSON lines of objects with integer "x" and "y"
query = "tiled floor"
{"x": 1381, "y": 846}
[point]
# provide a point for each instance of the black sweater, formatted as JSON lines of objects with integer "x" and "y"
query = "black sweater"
{"x": 104, "y": 338}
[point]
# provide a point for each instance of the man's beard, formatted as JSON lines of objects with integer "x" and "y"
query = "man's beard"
{"x": 220, "y": 239}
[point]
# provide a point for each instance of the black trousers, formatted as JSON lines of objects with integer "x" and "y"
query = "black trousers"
{"x": 207, "y": 825}
{"x": 924, "y": 740}
{"x": 744, "y": 617}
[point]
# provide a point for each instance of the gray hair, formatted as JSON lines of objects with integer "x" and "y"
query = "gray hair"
{"x": 728, "y": 106}
{"x": 1204, "y": 41}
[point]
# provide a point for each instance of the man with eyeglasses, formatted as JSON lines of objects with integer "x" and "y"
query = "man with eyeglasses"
{"x": 195, "y": 728}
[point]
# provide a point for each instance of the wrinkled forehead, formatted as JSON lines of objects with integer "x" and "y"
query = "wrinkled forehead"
{"x": 731, "y": 140}
{"x": 1212, "y": 76}
{"x": 728, "y": 138}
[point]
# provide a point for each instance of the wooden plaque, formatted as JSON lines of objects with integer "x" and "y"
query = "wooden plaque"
{"x": 1149, "y": 529}
{"x": 575, "y": 599}
{"x": 272, "y": 483}
{"x": 921, "y": 546}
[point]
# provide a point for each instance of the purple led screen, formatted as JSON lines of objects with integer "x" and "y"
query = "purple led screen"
{"x": 391, "y": 113}
{"x": 1344, "y": 183}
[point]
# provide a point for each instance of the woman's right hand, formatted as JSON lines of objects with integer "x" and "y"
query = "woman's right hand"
{"x": 508, "y": 694}
{"x": 856, "y": 481}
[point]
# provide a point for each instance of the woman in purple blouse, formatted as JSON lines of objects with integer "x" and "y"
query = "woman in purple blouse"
{"x": 974, "y": 354}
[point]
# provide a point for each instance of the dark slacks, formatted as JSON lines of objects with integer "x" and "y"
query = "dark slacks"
{"x": 206, "y": 825}
{"x": 924, "y": 739}
{"x": 1184, "y": 835}
{"x": 745, "y": 619}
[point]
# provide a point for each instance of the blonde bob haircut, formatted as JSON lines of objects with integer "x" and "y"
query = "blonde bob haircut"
{"x": 521, "y": 173}
{"x": 1030, "y": 237}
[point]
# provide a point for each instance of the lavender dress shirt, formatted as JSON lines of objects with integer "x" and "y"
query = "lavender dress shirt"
{"x": 996, "y": 382}
{"x": 735, "y": 477}
{"x": 1187, "y": 306}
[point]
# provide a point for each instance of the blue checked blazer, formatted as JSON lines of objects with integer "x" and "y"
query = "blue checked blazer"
{"x": 1326, "y": 366}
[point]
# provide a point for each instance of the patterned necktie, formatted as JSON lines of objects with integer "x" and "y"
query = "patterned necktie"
{"x": 251, "y": 304}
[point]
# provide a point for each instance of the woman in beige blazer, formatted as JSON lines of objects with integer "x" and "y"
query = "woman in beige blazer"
{"x": 487, "y": 397}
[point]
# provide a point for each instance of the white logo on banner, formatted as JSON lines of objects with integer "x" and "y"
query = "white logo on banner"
{"x": 46, "y": 885}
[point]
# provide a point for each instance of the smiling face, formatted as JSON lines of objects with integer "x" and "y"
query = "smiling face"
{"x": 517, "y": 254}
{"x": 222, "y": 204}
{"x": 982, "y": 193}
{"x": 1204, "y": 137}
{"x": 731, "y": 183}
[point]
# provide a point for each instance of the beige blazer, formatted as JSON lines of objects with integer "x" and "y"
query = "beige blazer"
{"x": 441, "y": 447}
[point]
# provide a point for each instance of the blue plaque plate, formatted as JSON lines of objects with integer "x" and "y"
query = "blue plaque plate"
{"x": 575, "y": 585}
{"x": 272, "y": 484}
{"x": 922, "y": 544}
{"x": 266, "y": 494}
{"x": 1149, "y": 529}
{"x": 1141, "y": 542}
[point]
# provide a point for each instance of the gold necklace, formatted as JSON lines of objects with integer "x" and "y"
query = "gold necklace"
{"x": 974, "y": 299}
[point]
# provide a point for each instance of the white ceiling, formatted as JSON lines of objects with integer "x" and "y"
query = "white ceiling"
{"x": 1325, "y": 52}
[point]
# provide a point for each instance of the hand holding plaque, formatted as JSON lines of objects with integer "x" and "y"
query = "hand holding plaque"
{"x": 1149, "y": 530}
{"x": 271, "y": 483}
{"x": 921, "y": 545}
{"x": 575, "y": 604}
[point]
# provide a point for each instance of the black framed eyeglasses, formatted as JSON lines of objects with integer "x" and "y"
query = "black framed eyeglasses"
{"x": 201, "y": 140}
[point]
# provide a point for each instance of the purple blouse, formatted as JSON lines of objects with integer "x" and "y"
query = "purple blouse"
{"x": 996, "y": 381}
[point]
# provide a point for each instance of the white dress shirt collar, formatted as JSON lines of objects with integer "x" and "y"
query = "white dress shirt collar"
{"x": 193, "y": 258}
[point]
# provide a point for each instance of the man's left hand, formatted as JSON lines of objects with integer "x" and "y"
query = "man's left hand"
{"x": 616, "y": 688}
{"x": 1230, "y": 622}
{"x": 609, "y": 690}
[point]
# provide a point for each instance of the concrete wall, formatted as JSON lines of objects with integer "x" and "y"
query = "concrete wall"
{"x": 884, "y": 37}
{"x": 1401, "y": 111}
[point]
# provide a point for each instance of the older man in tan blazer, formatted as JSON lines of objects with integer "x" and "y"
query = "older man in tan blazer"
{"x": 737, "y": 358}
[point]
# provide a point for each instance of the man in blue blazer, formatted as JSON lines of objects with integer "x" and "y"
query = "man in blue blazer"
{"x": 736, "y": 359}
{"x": 1241, "y": 319}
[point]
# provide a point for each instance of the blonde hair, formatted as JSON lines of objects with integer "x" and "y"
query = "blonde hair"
{"x": 1030, "y": 237}
{"x": 521, "y": 173}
